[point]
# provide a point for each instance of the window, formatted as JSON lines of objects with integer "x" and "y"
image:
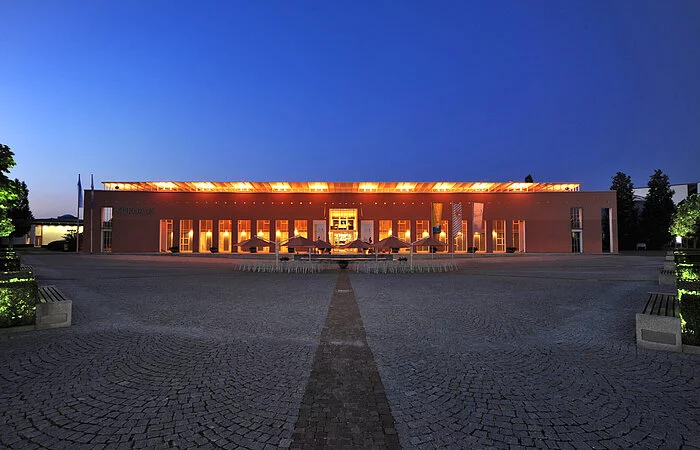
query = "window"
{"x": 576, "y": 219}
{"x": 404, "y": 228}
{"x": 166, "y": 234}
{"x": 576, "y": 244}
{"x": 107, "y": 217}
{"x": 225, "y": 236}
{"x": 444, "y": 232}
{"x": 480, "y": 238}
{"x": 244, "y": 232}
{"x": 282, "y": 232}
{"x": 206, "y": 229}
{"x": 460, "y": 240}
{"x": 498, "y": 233}
{"x": 422, "y": 230}
{"x": 384, "y": 229}
{"x": 301, "y": 228}
{"x": 263, "y": 231}
{"x": 186, "y": 234}
{"x": 106, "y": 229}
{"x": 518, "y": 236}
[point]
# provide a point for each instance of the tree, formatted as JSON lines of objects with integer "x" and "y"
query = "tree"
{"x": 686, "y": 220}
{"x": 658, "y": 210}
{"x": 528, "y": 178}
{"x": 627, "y": 216}
{"x": 8, "y": 192}
{"x": 19, "y": 211}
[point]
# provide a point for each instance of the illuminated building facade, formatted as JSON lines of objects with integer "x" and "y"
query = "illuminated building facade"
{"x": 484, "y": 217}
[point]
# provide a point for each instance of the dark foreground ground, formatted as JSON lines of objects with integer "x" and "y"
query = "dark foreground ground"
{"x": 511, "y": 351}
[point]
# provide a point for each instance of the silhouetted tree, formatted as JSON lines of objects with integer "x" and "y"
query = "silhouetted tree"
{"x": 528, "y": 178}
{"x": 19, "y": 211}
{"x": 627, "y": 216}
{"x": 658, "y": 210}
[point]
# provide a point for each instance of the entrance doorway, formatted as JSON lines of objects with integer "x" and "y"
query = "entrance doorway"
{"x": 343, "y": 222}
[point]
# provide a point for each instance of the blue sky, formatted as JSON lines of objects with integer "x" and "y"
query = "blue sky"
{"x": 340, "y": 91}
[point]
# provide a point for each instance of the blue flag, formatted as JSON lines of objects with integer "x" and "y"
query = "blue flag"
{"x": 80, "y": 193}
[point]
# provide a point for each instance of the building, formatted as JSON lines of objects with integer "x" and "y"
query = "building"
{"x": 45, "y": 231}
{"x": 488, "y": 217}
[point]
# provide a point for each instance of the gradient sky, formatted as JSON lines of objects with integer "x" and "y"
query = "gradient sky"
{"x": 347, "y": 91}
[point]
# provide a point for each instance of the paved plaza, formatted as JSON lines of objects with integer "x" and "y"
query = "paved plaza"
{"x": 510, "y": 351}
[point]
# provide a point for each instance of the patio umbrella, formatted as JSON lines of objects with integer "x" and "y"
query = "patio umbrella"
{"x": 322, "y": 245}
{"x": 426, "y": 241}
{"x": 300, "y": 242}
{"x": 254, "y": 242}
{"x": 357, "y": 243}
{"x": 391, "y": 242}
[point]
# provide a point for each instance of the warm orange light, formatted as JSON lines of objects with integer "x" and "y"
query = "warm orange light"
{"x": 369, "y": 186}
{"x": 425, "y": 234}
{"x": 318, "y": 186}
{"x": 204, "y": 186}
{"x": 260, "y": 234}
{"x": 278, "y": 233}
{"x": 281, "y": 186}
{"x": 405, "y": 186}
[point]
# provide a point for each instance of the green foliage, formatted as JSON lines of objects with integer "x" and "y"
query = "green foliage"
{"x": 18, "y": 296}
{"x": 528, "y": 178}
{"x": 9, "y": 261}
{"x": 627, "y": 217}
{"x": 657, "y": 213}
{"x": 686, "y": 220}
{"x": 688, "y": 286}
{"x": 8, "y": 192}
{"x": 18, "y": 211}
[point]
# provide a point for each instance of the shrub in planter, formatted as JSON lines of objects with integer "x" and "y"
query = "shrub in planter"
{"x": 253, "y": 249}
{"x": 688, "y": 285}
{"x": 18, "y": 296}
{"x": 174, "y": 249}
{"x": 214, "y": 249}
{"x": 510, "y": 249}
{"x": 9, "y": 262}
{"x": 471, "y": 249}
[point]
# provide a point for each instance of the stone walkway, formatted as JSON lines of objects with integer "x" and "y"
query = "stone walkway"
{"x": 508, "y": 352}
{"x": 345, "y": 405}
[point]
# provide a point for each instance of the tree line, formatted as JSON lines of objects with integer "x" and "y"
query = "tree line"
{"x": 655, "y": 222}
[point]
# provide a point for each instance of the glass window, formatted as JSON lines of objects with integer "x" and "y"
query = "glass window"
{"x": 225, "y": 228}
{"x": 576, "y": 246}
{"x": 107, "y": 240}
{"x": 166, "y": 235}
{"x": 384, "y": 229}
{"x": 186, "y": 234}
{"x": 460, "y": 239}
{"x": 282, "y": 233}
{"x": 244, "y": 232}
{"x": 442, "y": 237}
{"x": 263, "y": 231}
{"x": 576, "y": 218}
{"x": 404, "y": 227}
{"x": 498, "y": 233}
{"x": 107, "y": 217}
{"x": 422, "y": 230}
{"x": 301, "y": 228}
{"x": 480, "y": 239}
{"x": 206, "y": 228}
{"x": 518, "y": 236}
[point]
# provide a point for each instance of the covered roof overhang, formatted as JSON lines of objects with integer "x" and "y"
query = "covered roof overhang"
{"x": 338, "y": 187}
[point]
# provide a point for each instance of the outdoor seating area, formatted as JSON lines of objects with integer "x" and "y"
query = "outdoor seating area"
{"x": 358, "y": 265}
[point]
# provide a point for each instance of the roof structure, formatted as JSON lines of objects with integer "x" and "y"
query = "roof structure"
{"x": 338, "y": 187}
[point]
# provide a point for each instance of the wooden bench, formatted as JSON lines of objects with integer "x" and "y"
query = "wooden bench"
{"x": 667, "y": 277}
{"x": 53, "y": 309}
{"x": 659, "y": 323}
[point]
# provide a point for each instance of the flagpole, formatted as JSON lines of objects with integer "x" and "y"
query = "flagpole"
{"x": 92, "y": 207}
{"x": 77, "y": 215}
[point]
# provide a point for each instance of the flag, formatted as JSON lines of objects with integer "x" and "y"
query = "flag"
{"x": 92, "y": 192}
{"x": 456, "y": 219}
{"x": 478, "y": 218}
{"x": 80, "y": 193}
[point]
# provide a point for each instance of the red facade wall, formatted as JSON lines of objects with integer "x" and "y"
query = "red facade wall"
{"x": 137, "y": 215}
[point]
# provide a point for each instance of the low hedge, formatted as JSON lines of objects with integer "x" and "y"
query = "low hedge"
{"x": 688, "y": 286}
{"x": 9, "y": 262}
{"x": 18, "y": 295}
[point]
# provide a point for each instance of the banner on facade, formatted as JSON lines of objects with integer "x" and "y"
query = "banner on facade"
{"x": 478, "y": 218}
{"x": 456, "y": 219}
{"x": 436, "y": 217}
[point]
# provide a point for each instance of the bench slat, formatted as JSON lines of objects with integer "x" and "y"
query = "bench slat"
{"x": 660, "y": 304}
{"x": 50, "y": 294}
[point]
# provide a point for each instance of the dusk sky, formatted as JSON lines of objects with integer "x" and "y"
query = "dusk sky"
{"x": 262, "y": 90}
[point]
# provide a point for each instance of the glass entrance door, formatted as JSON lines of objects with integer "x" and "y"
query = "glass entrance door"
{"x": 343, "y": 223}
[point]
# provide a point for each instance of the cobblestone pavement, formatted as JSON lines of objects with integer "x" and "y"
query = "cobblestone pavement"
{"x": 345, "y": 404}
{"x": 510, "y": 351}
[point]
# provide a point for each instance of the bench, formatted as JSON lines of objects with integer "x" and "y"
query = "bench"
{"x": 667, "y": 277}
{"x": 53, "y": 309}
{"x": 641, "y": 246}
{"x": 659, "y": 323}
